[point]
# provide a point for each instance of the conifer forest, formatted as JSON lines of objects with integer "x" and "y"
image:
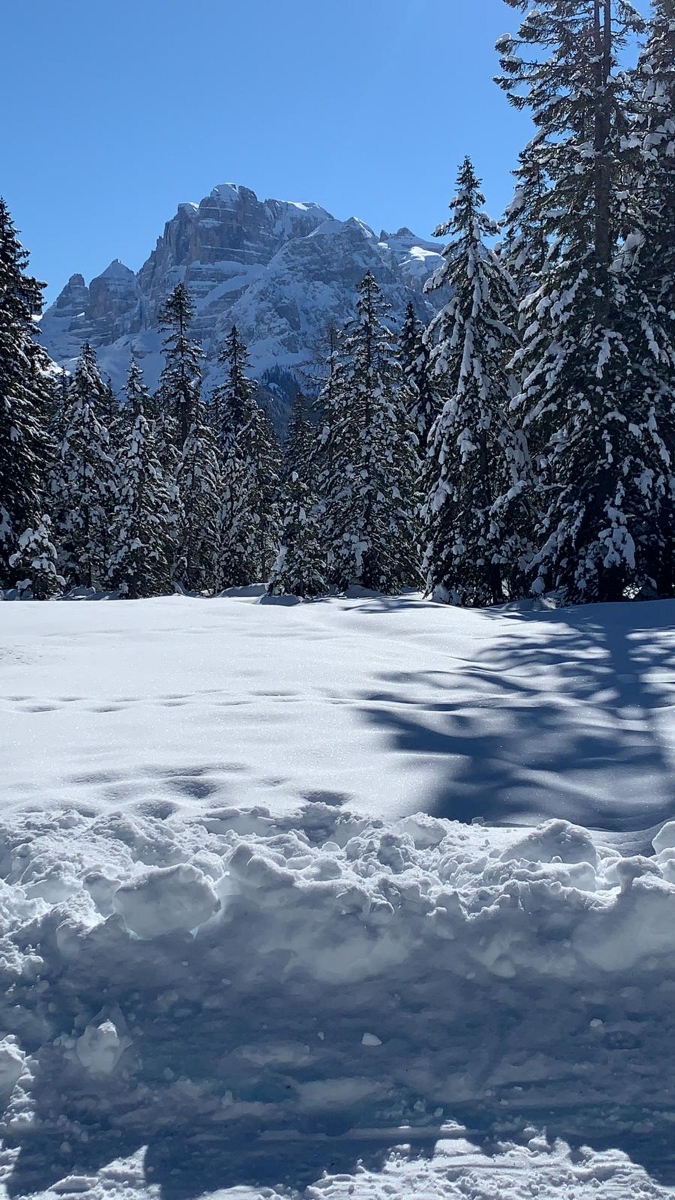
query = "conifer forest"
{"x": 521, "y": 443}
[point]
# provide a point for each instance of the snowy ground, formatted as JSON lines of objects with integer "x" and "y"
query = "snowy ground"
{"x": 233, "y": 957}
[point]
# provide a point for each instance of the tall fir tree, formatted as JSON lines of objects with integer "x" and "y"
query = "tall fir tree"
{"x": 300, "y": 566}
{"x": 524, "y": 247}
{"x": 474, "y": 545}
{"x": 249, "y": 525}
{"x": 143, "y": 523}
{"x": 591, "y": 399}
{"x": 181, "y": 380}
{"x": 26, "y": 388}
{"x": 650, "y": 260}
{"x": 84, "y": 484}
{"x": 423, "y": 399}
{"x": 368, "y": 473}
{"x": 200, "y": 489}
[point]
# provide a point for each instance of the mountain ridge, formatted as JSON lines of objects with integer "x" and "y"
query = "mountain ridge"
{"x": 283, "y": 271}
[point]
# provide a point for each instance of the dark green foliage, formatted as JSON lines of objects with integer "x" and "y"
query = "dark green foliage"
{"x": 26, "y": 397}
{"x": 473, "y": 544}
{"x": 181, "y": 381}
{"x": 367, "y": 458}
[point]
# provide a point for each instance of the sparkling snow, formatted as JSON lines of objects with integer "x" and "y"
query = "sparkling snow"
{"x": 252, "y": 939}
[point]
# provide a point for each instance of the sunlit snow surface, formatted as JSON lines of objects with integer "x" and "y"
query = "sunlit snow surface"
{"x": 250, "y": 936}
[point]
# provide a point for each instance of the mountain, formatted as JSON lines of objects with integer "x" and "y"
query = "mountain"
{"x": 283, "y": 272}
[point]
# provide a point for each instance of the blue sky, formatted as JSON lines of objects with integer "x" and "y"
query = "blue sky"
{"x": 123, "y": 108}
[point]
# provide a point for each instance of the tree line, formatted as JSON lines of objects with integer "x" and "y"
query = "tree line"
{"x": 520, "y": 443}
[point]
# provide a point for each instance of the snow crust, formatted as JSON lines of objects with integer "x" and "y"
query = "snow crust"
{"x": 203, "y": 994}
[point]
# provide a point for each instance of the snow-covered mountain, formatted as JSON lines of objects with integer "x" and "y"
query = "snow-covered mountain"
{"x": 283, "y": 272}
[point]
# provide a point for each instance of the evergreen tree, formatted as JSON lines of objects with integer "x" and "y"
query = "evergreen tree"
{"x": 200, "y": 488}
{"x": 524, "y": 246}
{"x": 35, "y": 563}
{"x": 477, "y": 459}
{"x": 423, "y": 400}
{"x": 25, "y": 397}
{"x": 249, "y": 525}
{"x": 592, "y": 399}
{"x": 300, "y": 566}
{"x": 181, "y": 380}
{"x": 649, "y": 257}
{"x": 143, "y": 524}
{"x": 299, "y": 446}
{"x": 368, "y": 457}
{"x": 656, "y": 130}
{"x": 84, "y": 487}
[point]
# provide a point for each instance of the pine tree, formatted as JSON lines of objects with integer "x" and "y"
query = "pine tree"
{"x": 367, "y": 457}
{"x": 472, "y": 545}
{"x": 35, "y": 563}
{"x": 300, "y": 566}
{"x": 423, "y": 400}
{"x": 524, "y": 247}
{"x": 84, "y": 487}
{"x": 655, "y": 79}
{"x": 25, "y": 398}
{"x": 591, "y": 398}
{"x": 143, "y": 524}
{"x": 649, "y": 257}
{"x": 249, "y": 526}
{"x": 200, "y": 488}
{"x": 299, "y": 446}
{"x": 181, "y": 380}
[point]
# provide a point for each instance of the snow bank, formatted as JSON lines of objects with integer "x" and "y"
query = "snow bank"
{"x": 241, "y": 972}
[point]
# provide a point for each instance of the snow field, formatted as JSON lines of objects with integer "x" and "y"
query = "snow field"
{"x": 225, "y": 995}
{"x": 387, "y": 706}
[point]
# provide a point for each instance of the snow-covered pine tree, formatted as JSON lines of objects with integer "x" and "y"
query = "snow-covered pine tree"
{"x": 249, "y": 527}
{"x": 84, "y": 485}
{"x": 144, "y": 521}
{"x": 473, "y": 544}
{"x": 181, "y": 380}
{"x": 300, "y": 566}
{"x": 200, "y": 488}
{"x": 591, "y": 401}
{"x": 423, "y": 400}
{"x": 299, "y": 446}
{"x": 35, "y": 563}
{"x": 368, "y": 462}
{"x": 523, "y": 248}
{"x": 262, "y": 481}
{"x": 651, "y": 255}
{"x": 655, "y": 81}
{"x": 25, "y": 398}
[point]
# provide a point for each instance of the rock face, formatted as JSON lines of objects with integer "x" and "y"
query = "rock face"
{"x": 283, "y": 272}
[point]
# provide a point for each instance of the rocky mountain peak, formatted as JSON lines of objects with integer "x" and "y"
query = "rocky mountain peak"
{"x": 283, "y": 271}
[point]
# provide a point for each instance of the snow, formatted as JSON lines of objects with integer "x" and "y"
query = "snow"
{"x": 286, "y": 890}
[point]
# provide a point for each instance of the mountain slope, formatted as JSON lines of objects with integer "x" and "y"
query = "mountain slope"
{"x": 283, "y": 272}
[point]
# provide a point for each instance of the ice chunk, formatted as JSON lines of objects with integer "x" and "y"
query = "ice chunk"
{"x": 166, "y": 900}
{"x": 12, "y": 1060}
{"x": 370, "y": 1039}
{"x": 554, "y": 840}
{"x": 665, "y": 838}
{"x": 101, "y": 1047}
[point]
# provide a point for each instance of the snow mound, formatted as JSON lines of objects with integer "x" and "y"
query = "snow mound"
{"x": 237, "y": 972}
{"x": 166, "y": 900}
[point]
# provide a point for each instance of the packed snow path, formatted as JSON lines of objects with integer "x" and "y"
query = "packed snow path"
{"x": 386, "y": 706}
{"x": 235, "y": 953}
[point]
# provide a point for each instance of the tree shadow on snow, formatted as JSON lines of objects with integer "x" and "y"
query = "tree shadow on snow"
{"x": 563, "y": 716}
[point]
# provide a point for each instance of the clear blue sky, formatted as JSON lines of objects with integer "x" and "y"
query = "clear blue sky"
{"x": 123, "y": 108}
